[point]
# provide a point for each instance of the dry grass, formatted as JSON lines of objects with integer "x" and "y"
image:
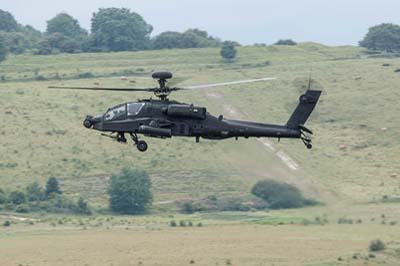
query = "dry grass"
{"x": 210, "y": 245}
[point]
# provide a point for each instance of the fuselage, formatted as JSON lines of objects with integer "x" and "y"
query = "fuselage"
{"x": 164, "y": 118}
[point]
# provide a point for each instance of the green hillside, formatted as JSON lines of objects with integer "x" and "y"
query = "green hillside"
{"x": 356, "y": 124}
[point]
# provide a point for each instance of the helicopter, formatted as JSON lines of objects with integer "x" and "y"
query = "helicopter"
{"x": 165, "y": 118}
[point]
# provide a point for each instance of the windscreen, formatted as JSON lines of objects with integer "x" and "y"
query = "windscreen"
{"x": 134, "y": 108}
{"x": 115, "y": 113}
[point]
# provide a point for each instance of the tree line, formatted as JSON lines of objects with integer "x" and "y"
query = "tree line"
{"x": 120, "y": 29}
{"x": 112, "y": 30}
{"x": 34, "y": 197}
{"x": 129, "y": 192}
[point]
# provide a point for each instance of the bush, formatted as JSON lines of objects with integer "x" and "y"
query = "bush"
{"x": 280, "y": 195}
{"x": 232, "y": 204}
{"x": 344, "y": 220}
{"x": 376, "y": 245}
{"x": 187, "y": 207}
{"x": 7, "y": 223}
{"x": 23, "y": 208}
{"x": 35, "y": 200}
{"x": 172, "y": 223}
{"x": 83, "y": 207}
{"x": 86, "y": 75}
{"x": 182, "y": 223}
{"x": 3, "y": 197}
{"x": 228, "y": 203}
{"x": 130, "y": 191}
{"x": 17, "y": 197}
{"x": 60, "y": 203}
{"x": 286, "y": 42}
{"x": 34, "y": 192}
{"x": 40, "y": 78}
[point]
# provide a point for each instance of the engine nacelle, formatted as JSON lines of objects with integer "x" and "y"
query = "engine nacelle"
{"x": 155, "y": 132}
{"x": 189, "y": 111}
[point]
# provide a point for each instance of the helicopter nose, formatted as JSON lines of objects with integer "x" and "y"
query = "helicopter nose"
{"x": 91, "y": 121}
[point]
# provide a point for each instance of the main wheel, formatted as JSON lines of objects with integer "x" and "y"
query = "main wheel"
{"x": 141, "y": 145}
{"x": 309, "y": 146}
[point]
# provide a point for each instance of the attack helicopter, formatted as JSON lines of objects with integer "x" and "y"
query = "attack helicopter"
{"x": 165, "y": 118}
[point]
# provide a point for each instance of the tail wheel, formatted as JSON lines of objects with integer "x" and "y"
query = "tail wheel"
{"x": 141, "y": 145}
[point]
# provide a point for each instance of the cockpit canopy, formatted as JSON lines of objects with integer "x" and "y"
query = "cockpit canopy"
{"x": 120, "y": 112}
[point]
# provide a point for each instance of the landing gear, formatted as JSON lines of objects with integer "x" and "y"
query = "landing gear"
{"x": 307, "y": 141}
{"x": 141, "y": 145}
{"x": 121, "y": 137}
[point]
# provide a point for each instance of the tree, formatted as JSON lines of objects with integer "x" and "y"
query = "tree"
{"x": 7, "y": 22}
{"x": 44, "y": 47}
{"x": 15, "y": 42}
{"x": 52, "y": 186}
{"x": 198, "y": 32}
{"x": 65, "y": 25}
{"x": 64, "y": 34}
{"x": 279, "y": 195}
{"x": 119, "y": 29}
{"x": 3, "y": 50}
{"x": 34, "y": 192}
{"x": 228, "y": 51}
{"x": 17, "y": 38}
{"x": 385, "y": 37}
{"x": 192, "y": 38}
{"x": 129, "y": 191}
{"x": 202, "y": 39}
{"x": 286, "y": 42}
{"x": 32, "y": 37}
{"x": 167, "y": 40}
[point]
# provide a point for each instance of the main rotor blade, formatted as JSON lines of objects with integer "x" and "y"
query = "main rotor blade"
{"x": 176, "y": 80}
{"x": 102, "y": 89}
{"x": 226, "y": 83}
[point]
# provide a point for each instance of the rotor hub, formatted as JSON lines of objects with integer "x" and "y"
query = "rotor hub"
{"x": 162, "y": 78}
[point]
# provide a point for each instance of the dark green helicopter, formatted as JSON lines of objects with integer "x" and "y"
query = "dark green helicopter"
{"x": 164, "y": 118}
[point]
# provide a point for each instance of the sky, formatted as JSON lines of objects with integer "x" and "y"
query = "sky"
{"x": 330, "y": 22}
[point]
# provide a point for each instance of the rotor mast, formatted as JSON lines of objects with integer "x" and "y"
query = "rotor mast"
{"x": 164, "y": 90}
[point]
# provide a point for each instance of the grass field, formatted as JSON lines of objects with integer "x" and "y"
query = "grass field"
{"x": 258, "y": 238}
{"x": 354, "y": 163}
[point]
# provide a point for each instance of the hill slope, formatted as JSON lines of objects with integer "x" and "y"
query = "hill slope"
{"x": 353, "y": 158}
